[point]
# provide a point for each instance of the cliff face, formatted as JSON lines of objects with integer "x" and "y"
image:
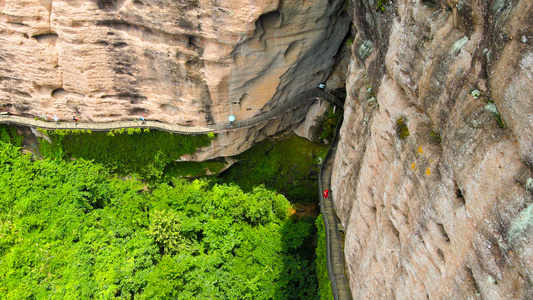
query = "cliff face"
{"x": 433, "y": 174}
{"x": 181, "y": 62}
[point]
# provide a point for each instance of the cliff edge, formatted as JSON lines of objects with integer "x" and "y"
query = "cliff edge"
{"x": 433, "y": 174}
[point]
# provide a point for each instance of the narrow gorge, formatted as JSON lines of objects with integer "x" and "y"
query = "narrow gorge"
{"x": 433, "y": 174}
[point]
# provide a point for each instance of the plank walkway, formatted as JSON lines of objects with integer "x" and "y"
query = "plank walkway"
{"x": 173, "y": 128}
{"x": 334, "y": 239}
{"x": 334, "y": 242}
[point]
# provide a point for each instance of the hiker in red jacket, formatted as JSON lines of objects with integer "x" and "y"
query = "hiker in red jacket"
{"x": 326, "y": 193}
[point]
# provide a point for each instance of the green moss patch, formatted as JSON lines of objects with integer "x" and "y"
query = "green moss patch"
{"x": 435, "y": 138}
{"x": 401, "y": 129}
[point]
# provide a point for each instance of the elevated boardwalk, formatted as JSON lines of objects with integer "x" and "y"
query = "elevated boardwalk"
{"x": 334, "y": 242}
{"x": 334, "y": 239}
{"x": 173, "y": 128}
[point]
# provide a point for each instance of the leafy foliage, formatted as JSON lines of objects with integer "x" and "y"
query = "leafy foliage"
{"x": 348, "y": 42}
{"x": 289, "y": 166}
{"x": 324, "y": 284}
{"x": 326, "y": 129}
{"x": 69, "y": 230}
{"x": 124, "y": 151}
{"x": 9, "y": 134}
{"x": 380, "y": 6}
{"x": 192, "y": 169}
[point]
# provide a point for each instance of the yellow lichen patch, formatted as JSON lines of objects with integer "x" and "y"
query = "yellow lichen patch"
{"x": 428, "y": 171}
{"x": 420, "y": 149}
{"x": 413, "y": 166}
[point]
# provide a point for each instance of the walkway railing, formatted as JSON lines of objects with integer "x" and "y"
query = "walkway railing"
{"x": 173, "y": 128}
{"x": 334, "y": 243}
{"x": 334, "y": 240}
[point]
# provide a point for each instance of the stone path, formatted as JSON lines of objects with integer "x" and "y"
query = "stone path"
{"x": 172, "y": 128}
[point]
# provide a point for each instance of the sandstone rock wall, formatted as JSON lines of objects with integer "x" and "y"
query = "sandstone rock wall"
{"x": 433, "y": 173}
{"x": 233, "y": 142}
{"x": 182, "y": 62}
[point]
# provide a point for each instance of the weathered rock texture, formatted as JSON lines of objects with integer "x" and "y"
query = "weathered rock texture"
{"x": 181, "y": 62}
{"x": 234, "y": 142}
{"x": 435, "y": 197}
{"x": 315, "y": 114}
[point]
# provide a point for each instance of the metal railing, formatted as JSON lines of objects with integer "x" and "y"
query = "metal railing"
{"x": 335, "y": 256}
{"x": 334, "y": 249}
{"x": 173, "y": 128}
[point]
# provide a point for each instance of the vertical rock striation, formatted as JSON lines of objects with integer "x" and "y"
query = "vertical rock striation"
{"x": 433, "y": 173}
{"x": 185, "y": 62}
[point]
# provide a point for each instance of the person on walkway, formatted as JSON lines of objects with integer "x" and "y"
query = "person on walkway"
{"x": 326, "y": 193}
{"x": 56, "y": 119}
{"x": 143, "y": 121}
{"x": 75, "y": 119}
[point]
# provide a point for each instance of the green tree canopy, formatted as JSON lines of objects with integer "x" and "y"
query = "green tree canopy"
{"x": 69, "y": 230}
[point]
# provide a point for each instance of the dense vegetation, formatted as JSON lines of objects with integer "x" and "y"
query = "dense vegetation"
{"x": 9, "y": 134}
{"x": 289, "y": 165}
{"x": 192, "y": 169}
{"x": 145, "y": 154}
{"x": 324, "y": 284}
{"x": 325, "y": 131}
{"x": 69, "y": 230}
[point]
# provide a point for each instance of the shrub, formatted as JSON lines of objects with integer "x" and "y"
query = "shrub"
{"x": 192, "y": 169}
{"x": 380, "y": 6}
{"x": 9, "y": 134}
{"x": 365, "y": 49}
{"x": 324, "y": 284}
{"x": 476, "y": 93}
{"x": 519, "y": 225}
{"x": 325, "y": 131}
{"x": 348, "y": 42}
{"x": 126, "y": 151}
{"x": 133, "y": 130}
{"x": 289, "y": 166}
